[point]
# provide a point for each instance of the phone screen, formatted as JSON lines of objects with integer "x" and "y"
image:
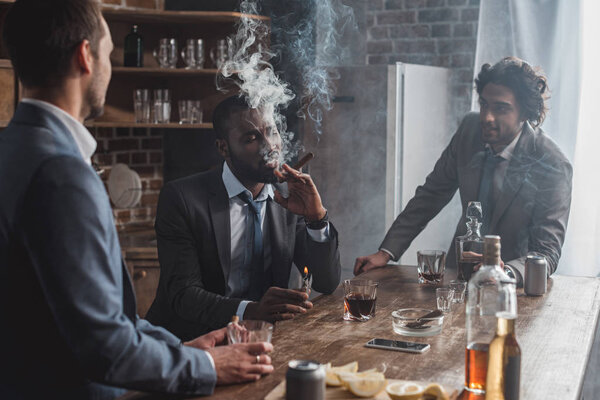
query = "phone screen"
{"x": 398, "y": 345}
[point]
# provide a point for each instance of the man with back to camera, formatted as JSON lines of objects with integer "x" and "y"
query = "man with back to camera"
{"x": 227, "y": 239}
{"x": 501, "y": 158}
{"x": 67, "y": 304}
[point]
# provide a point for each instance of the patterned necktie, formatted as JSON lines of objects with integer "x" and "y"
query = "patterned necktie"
{"x": 253, "y": 253}
{"x": 485, "y": 188}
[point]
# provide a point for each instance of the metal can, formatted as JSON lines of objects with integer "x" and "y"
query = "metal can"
{"x": 305, "y": 380}
{"x": 536, "y": 274}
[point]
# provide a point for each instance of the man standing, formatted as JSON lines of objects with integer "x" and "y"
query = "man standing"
{"x": 69, "y": 328}
{"x": 501, "y": 158}
{"x": 227, "y": 239}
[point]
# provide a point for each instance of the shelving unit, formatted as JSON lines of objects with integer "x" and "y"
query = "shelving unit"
{"x": 131, "y": 124}
{"x": 181, "y": 17}
{"x": 152, "y": 26}
{"x": 7, "y": 1}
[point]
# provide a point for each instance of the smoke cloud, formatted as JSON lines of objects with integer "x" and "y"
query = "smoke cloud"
{"x": 249, "y": 65}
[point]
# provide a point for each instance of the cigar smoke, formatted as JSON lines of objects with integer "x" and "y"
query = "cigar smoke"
{"x": 249, "y": 67}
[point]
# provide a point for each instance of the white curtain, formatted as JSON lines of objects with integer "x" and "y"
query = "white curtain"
{"x": 560, "y": 36}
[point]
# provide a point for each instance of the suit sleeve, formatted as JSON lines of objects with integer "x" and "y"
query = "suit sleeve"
{"x": 68, "y": 231}
{"x": 180, "y": 266}
{"x": 429, "y": 199}
{"x": 322, "y": 258}
{"x": 550, "y": 213}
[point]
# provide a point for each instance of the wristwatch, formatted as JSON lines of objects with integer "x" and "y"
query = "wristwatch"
{"x": 319, "y": 224}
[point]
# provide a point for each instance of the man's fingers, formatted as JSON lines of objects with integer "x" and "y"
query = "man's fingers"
{"x": 286, "y": 294}
{"x": 358, "y": 264}
{"x": 257, "y": 348}
{"x": 287, "y": 308}
{"x": 283, "y": 317}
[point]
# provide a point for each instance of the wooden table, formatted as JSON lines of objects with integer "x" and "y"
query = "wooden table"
{"x": 555, "y": 333}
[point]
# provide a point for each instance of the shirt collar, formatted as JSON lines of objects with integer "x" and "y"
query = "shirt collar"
{"x": 83, "y": 138}
{"x": 234, "y": 187}
{"x": 508, "y": 151}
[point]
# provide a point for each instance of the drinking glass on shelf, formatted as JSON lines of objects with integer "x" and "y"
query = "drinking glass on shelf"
{"x": 220, "y": 54}
{"x": 161, "y": 110}
{"x": 190, "y": 111}
{"x": 444, "y": 297}
{"x": 193, "y": 54}
{"x": 161, "y": 54}
{"x": 141, "y": 105}
{"x": 360, "y": 299}
{"x": 431, "y": 265}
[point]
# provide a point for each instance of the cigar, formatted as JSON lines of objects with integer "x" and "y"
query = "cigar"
{"x": 282, "y": 186}
{"x": 304, "y": 160}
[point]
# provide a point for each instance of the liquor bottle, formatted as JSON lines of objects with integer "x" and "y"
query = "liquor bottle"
{"x": 469, "y": 247}
{"x": 504, "y": 358}
{"x": 133, "y": 49}
{"x": 484, "y": 290}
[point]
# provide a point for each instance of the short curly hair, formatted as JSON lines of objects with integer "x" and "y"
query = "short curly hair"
{"x": 528, "y": 84}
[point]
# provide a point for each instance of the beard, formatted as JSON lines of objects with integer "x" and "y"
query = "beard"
{"x": 248, "y": 172}
{"x": 95, "y": 98}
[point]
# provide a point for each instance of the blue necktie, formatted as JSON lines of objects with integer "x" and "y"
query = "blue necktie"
{"x": 253, "y": 259}
{"x": 485, "y": 188}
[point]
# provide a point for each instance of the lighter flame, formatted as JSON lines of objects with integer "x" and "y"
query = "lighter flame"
{"x": 305, "y": 271}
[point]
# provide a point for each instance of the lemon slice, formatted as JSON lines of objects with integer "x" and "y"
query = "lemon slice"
{"x": 331, "y": 373}
{"x": 366, "y": 387}
{"x": 434, "y": 389}
{"x": 405, "y": 391}
{"x": 346, "y": 377}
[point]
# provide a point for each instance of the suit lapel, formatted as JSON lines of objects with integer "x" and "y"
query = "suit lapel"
{"x": 218, "y": 204}
{"x": 278, "y": 238}
{"x": 517, "y": 170}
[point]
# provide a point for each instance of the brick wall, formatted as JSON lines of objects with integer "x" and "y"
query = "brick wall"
{"x": 139, "y": 148}
{"x": 432, "y": 32}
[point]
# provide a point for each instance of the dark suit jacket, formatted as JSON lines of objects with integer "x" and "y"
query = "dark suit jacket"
{"x": 531, "y": 212}
{"x": 194, "y": 249}
{"x": 67, "y": 305}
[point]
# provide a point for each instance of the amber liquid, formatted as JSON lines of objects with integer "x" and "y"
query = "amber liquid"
{"x": 465, "y": 268}
{"x": 476, "y": 359}
{"x": 360, "y": 306}
{"x": 431, "y": 277}
{"x": 504, "y": 366}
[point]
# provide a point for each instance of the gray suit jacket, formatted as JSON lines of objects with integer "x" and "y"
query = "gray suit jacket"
{"x": 194, "y": 250}
{"x": 531, "y": 212}
{"x": 67, "y": 305}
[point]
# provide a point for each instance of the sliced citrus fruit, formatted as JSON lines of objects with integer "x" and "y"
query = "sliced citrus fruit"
{"x": 346, "y": 377}
{"x": 405, "y": 391}
{"x": 434, "y": 389}
{"x": 366, "y": 387}
{"x": 331, "y": 373}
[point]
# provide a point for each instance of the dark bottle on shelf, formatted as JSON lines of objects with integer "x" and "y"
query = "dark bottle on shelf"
{"x": 133, "y": 49}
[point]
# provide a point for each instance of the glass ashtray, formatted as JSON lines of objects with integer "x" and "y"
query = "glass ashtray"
{"x": 417, "y": 322}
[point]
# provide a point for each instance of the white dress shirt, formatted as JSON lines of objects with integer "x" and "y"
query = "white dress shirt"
{"x": 84, "y": 139}
{"x": 238, "y": 220}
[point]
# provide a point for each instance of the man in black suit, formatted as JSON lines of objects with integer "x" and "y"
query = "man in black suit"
{"x": 502, "y": 158}
{"x": 227, "y": 239}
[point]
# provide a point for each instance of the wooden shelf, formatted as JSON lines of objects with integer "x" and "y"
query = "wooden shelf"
{"x": 163, "y": 71}
{"x": 7, "y": 1}
{"x": 5, "y": 63}
{"x": 130, "y": 124}
{"x": 159, "y": 16}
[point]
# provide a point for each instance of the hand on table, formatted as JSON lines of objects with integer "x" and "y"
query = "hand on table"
{"x": 303, "y": 197}
{"x": 472, "y": 255}
{"x": 241, "y": 362}
{"x": 367, "y": 263}
{"x": 278, "y": 304}
{"x": 210, "y": 340}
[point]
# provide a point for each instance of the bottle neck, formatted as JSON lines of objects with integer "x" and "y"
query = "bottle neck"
{"x": 505, "y": 325}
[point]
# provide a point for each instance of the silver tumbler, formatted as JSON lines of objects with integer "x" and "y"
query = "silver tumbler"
{"x": 535, "y": 279}
{"x": 305, "y": 380}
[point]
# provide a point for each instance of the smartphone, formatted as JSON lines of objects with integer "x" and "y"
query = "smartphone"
{"x": 398, "y": 345}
